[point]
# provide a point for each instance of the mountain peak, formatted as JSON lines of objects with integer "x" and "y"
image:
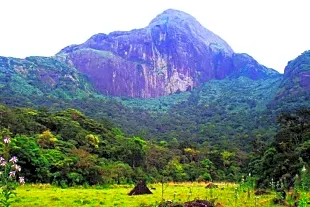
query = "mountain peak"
{"x": 174, "y": 16}
{"x": 183, "y": 22}
{"x": 174, "y": 11}
{"x": 297, "y": 74}
{"x": 173, "y": 53}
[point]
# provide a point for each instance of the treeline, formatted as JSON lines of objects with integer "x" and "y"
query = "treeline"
{"x": 217, "y": 114}
{"x": 281, "y": 162}
{"x": 68, "y": 148}
{"x": 220, "y": 112}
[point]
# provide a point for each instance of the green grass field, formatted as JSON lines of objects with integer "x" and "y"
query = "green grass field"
{"x": 47, "y": 195}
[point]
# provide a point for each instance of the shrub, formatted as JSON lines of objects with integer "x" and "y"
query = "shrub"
{"x": 8, "y": 174}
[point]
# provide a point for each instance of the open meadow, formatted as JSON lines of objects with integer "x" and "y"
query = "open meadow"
{"x": 226, "y": 194}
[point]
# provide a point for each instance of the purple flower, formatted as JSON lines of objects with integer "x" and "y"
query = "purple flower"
{"x": 3, "y": 163}
{"x": 13, "y": 159}
{"x": 17, "y": 168}
{"x": 12, "y": 173}
{"x": 1, "y": 159}
{"x": 21, "y": 180}
{"x": 6, "y": 140}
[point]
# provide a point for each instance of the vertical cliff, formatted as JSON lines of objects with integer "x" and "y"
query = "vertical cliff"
{"x": 173, "y": 53}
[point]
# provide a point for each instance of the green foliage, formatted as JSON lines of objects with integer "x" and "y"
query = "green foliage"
{"x": 288, "y": 153}
{"x": 8, "y": 173}
{"x": 42, "y": 77}
{"x": 189, "y": 127}
{"x": 238, "y": 110}
{"x": 46, "y": 139}
{"x": 68, "y": 148}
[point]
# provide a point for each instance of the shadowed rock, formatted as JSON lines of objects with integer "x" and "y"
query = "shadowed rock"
{"x": 261, "y": 192}
{"x": 211, "y": 185}
{"x": 140, "y": 189}
{"x": 198, "y": 203}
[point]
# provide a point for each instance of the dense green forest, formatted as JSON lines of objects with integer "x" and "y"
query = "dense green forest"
{"x": 288, "y": 153}
{"x": 68, "y": 148}
{"x": 218, "y": 113}
{"x": 66, "y": 133}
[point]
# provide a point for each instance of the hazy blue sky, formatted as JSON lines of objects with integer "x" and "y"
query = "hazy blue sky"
{"x": 272, "y": 31}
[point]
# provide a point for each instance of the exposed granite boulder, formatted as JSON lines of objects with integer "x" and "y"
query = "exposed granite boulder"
{"x": 173, "y": 53}
{"x": 245, "y": 65}
{"x": 296, "y": 77}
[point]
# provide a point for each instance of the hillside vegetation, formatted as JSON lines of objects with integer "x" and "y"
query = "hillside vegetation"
{"x": 68, "y": 148}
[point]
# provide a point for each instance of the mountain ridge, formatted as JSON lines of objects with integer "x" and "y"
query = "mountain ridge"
{"x": 173, "y": 53}
{"x": 137, "y": 67}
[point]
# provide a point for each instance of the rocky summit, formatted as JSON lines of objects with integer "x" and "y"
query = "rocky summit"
{"x": 173, "y": 53}
{"x": 297, "y": 75}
